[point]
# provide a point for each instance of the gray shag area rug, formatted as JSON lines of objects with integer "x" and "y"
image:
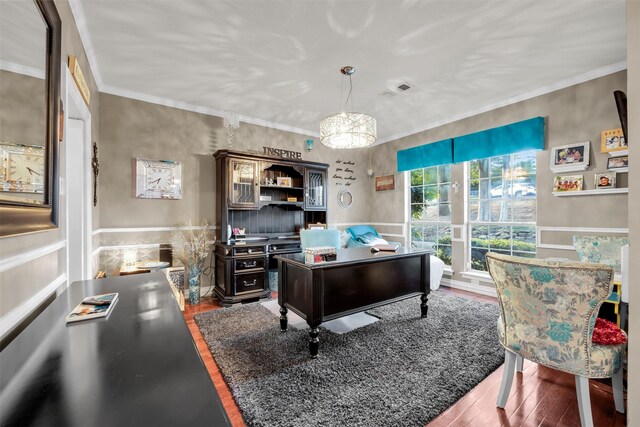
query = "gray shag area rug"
{"x": 400, "y": 371}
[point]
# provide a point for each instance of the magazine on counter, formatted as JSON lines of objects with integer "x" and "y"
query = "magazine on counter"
{"x": 93, "y": 307}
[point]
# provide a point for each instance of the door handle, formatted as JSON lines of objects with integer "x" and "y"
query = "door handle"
{"x": 246, "y": 264}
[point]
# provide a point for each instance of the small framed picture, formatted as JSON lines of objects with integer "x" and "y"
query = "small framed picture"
{"x": 386, "y": 182}
{"x": 605, "y": 180}
{"x": 570, "y": 158}
{"x": 317, "y": 226}
{"x": 563, "y": 183}
{"x": 612, "y": 140}
{"x": 618, "y": 164}
{"x": 284, "y": 181}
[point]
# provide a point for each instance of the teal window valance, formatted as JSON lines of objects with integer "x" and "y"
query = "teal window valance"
{"x": 521, "y": 136}
{"x": 433, "y": 154}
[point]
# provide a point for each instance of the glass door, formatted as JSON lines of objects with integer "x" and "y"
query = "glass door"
{"x": 243, "y": 181}
{"x": 315, "y": 182}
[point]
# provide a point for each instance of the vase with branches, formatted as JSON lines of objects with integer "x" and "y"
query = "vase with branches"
{"x": 191, "y": 246}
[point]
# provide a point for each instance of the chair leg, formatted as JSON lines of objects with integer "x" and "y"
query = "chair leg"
{"x": 584, "y": 402}
{"x": 618, "y": 397}
{"x": 507, "y": 378}
{"x": 519, "y": 363}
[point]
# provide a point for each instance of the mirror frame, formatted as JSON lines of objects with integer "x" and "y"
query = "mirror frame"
{"x": 341, "y": 198}
{"x": 18, "y": 217}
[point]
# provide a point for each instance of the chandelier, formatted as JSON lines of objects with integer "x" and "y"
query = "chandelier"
{"x": 348, "y": 129}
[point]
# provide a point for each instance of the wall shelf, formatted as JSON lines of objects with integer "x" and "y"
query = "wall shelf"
{"x": 591, "y": 192}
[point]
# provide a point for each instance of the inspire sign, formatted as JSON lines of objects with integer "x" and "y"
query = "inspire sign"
{"x": 285, "y": 154}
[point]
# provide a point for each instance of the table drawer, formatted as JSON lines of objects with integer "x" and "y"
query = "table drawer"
{"x": 249, "y": 250}
{"x": 249, "y": 282}
{"x": 249, "y": 264}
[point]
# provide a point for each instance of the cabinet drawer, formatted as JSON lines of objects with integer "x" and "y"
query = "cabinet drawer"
{"x": 249, "y": 282}
{"x": 249, "y": 263}
{"x": 249, "y": 250}
{"x": 284, "y": 247}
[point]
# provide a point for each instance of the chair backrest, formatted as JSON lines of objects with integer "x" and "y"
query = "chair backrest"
{"x": 600, "y": 249}
{"x": 549, "y": 308}
{"x": 319, "y": 237}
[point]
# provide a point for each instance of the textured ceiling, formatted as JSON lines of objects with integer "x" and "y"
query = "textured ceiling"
{"x": 279, "y": 61}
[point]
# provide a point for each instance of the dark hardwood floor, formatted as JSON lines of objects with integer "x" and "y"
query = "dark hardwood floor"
{"x": 539, "y": 396}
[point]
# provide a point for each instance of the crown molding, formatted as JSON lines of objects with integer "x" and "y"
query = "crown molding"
{"x": 87, "y": 44}
{"x": 125, "y": 93}
{"x": 562, "y": 84}
{"x": 22, "y": 69}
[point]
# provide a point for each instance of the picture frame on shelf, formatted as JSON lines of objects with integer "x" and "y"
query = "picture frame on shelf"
{"x": 566, "y": 183}
{"x": 605, "y": 180}
{"x": 618, "y": 164}
{"x": 612, "y": 140}
{"x": 385, "y": 182}
{"x": 283, "y": 181}
{"x": 570, "y": 157}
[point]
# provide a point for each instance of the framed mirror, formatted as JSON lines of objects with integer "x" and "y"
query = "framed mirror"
{"x": 345, "y": 198}
{"x": 30, "y": 60}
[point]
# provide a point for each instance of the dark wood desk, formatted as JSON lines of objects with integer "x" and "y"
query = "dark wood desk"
{"x": 138, "y": 367}
{"x": 357, "y": 281}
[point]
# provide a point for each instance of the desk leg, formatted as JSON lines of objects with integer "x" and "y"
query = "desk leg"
{"x": 314, "y": 341}
{"x": 423, "y": 306}
{"x": 283, "y": 318}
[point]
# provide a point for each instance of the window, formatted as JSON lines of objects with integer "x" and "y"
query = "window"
{"x": 502, "y": 207}
{"x": 430, "y": 221}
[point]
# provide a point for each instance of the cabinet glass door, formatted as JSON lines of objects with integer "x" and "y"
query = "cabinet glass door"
{"x": 244, "y": 184}
{"x": 315, "y": 189}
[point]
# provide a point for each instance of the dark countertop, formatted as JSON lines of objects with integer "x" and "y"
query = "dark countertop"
{"x": 352, "y": 255}
{"x": 138, "y": 367}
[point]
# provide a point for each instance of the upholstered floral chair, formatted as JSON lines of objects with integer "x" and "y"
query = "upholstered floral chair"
{"x": 600, "y": 249}
{"x": 548, "y": 313}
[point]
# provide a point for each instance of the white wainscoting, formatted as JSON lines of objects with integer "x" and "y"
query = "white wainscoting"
{"x": 15, "y": 316}
{"x": 576, "y": 230}
{"x": 32, "y": 255}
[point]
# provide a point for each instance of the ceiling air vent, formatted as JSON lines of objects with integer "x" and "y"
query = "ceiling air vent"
{"x": 404, "y": 87}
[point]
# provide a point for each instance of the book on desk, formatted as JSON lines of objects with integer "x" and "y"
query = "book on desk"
{"x": 388, "y": 247}
{"x": 93, "y": 307}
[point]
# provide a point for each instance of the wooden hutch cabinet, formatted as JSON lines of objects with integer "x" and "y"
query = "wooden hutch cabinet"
{"x": 270, "y": 198}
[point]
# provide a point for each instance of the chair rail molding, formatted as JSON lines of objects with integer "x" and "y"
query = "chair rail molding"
{"x": 15, "y": 316}
{"x": 28, "y": 256}
{"x": 146, "y": 229}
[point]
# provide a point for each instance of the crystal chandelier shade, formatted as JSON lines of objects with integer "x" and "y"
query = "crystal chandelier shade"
{"x": 348, "y": 129}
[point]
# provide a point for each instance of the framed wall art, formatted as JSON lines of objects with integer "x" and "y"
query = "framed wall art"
{"x": 570, "y": 158}
{"x": 563, "y": 183}
{"x": 158, "y": 179}
{"x": 612, "y": 140}
{"x": 618, "y": 164}
{"x": 385, "y": 183}
{"x": 605, "y": 180}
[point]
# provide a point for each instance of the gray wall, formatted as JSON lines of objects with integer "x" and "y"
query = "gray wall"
{"x": 20, "y": 284}
{"x": 633, "y": 99}
{"x": 131, "y": 128}
{"x": 577, "y": 113}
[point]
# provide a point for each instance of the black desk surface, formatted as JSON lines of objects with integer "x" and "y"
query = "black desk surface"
{"x": 358, "y": 255}
{"x": 138, "y": 367}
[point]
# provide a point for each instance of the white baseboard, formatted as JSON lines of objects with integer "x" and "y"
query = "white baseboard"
{"x": 469, "y": 287}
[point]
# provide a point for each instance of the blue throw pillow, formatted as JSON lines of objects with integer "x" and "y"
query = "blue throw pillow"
{"x": 367, "y": 238}
{"x": 358, "y": 230}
